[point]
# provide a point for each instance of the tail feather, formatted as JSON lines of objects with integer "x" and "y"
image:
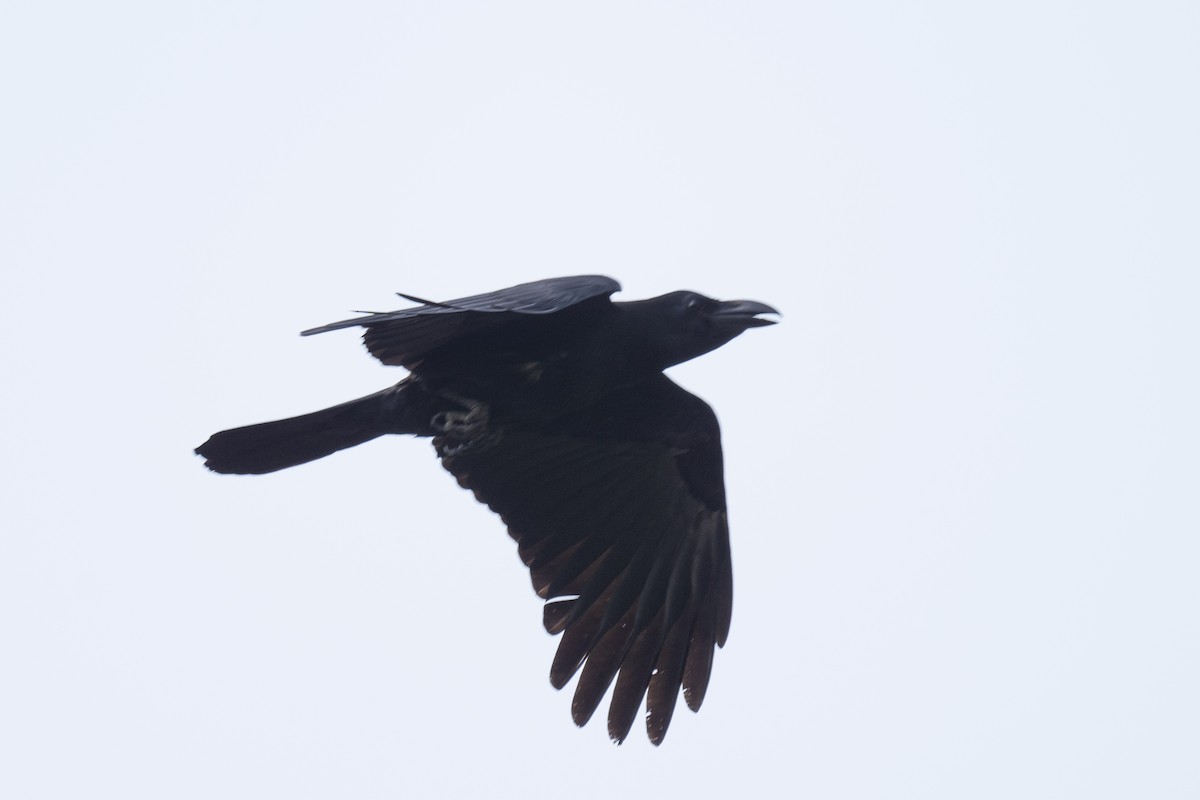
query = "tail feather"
{"x": 271, "y": 446}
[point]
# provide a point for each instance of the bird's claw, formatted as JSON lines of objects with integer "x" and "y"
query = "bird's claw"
{"x": 461, "y": 431}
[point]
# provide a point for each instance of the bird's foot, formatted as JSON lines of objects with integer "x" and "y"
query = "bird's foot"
{"x": 462, "y": 431}
{"x": 462, "y": 424}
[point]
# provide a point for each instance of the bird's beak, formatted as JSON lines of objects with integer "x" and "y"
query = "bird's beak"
{"x": 743, "y": 313}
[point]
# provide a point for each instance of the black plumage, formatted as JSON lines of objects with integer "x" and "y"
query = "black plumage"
{"x": 549, "y": 402}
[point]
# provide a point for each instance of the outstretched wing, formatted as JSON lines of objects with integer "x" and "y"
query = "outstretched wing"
{"x": 620, "y": 516}
{"x": 402, "y": 337}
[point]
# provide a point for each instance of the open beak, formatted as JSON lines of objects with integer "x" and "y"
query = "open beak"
{"x": 743, "y": 313}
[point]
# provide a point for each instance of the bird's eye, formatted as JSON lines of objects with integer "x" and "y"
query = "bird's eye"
{"x": 694, "y": 306}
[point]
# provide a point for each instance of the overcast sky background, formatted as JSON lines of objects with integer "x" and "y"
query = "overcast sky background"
{"x": 962, "y": 473}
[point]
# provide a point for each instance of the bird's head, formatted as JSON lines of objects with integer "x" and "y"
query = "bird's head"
{"x": 688, "y": 324}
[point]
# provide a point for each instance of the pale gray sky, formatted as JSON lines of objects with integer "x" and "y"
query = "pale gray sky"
{"x": 962, "y": 473}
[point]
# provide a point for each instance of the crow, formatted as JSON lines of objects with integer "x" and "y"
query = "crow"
{"x": 549, "y": 402}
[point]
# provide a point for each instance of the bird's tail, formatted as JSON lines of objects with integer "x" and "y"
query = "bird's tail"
{"x": 271, "y": 446}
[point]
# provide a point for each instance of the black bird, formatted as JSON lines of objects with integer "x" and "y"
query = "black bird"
{"x": 548, "y": 401}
